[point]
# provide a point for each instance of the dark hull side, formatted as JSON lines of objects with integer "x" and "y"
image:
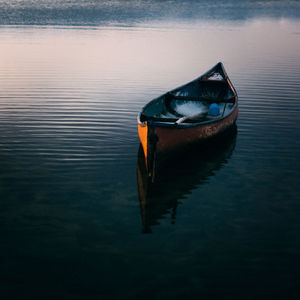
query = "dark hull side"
{"x": 159, "y": 141}
{"x": 169, "y": 139}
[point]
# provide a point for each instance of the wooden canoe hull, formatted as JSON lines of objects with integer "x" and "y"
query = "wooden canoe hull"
{"x": 158, "y": 140}
{"x": 169, "y": 139}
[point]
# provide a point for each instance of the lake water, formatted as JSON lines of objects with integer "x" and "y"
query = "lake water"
{"x": 223, "y": 223}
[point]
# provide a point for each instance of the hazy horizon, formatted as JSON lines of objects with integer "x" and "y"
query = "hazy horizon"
{"x": 80, "y": 12}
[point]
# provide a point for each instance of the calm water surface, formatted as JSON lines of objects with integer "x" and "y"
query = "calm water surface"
{"x": 222, "y": 224}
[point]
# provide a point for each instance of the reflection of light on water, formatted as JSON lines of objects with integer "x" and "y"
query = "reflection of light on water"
{"x": 79, "y": 89}
{"x": 116, "y": 58}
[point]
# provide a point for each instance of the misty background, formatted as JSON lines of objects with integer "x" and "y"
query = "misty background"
{"x": 80, "y": 12}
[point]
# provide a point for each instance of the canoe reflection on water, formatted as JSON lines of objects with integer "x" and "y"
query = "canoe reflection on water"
{"x": 177, "y": 175}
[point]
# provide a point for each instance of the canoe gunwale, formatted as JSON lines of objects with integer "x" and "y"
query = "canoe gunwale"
{"x": 183, "y": 125}
{"x": 171, "y": 122}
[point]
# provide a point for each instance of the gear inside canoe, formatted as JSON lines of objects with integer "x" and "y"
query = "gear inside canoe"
{"x": 192, "y": 102}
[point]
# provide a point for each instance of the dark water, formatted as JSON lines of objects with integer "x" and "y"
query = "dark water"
{"x": 222, "y": 223}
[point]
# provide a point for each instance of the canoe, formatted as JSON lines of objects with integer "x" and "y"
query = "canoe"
{"x": 196, "y": 111}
